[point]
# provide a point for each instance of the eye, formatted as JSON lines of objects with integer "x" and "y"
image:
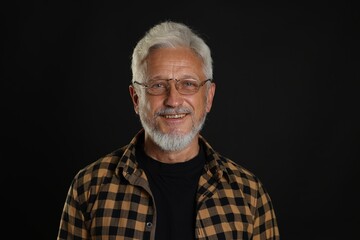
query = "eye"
{"x": 157, "y": 84}
{"x": 189, "y": 83}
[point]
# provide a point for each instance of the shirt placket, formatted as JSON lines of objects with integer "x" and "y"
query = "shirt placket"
{"x": 138, "y": 178}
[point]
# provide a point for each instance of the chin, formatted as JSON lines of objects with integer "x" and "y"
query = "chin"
{"x": 176, "y": 132}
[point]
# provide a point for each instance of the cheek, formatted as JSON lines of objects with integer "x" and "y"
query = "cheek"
{"x": 144, "y": 105}
{"x": 198, "y": 106}
{"x": 147, "y": 105}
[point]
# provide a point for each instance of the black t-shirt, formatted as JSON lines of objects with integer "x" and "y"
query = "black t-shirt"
{"x": 174, "y": 188}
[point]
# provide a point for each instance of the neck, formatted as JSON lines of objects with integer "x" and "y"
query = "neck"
{"x": 155, "y": 152}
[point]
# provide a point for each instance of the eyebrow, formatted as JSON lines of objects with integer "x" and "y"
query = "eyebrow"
{"x": 158, "y": 77}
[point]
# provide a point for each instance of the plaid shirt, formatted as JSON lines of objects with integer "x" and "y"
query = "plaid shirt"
{"x": 111, "y": 199}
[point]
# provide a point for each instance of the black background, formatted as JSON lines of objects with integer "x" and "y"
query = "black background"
{"x": 286, "y": 105}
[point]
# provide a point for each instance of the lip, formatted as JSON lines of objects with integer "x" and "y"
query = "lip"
{"x": 174, "y": 118}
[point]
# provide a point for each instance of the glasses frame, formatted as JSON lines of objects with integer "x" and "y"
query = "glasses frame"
{"x": 146, "y": 86}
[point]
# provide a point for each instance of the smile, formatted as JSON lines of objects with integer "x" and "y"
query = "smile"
{"x": 174, "y": 116}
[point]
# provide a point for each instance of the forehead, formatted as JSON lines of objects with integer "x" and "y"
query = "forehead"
{"x": 170, "y": 61}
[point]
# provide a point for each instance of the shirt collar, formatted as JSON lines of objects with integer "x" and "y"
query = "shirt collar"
{"x": 128, "y": 164}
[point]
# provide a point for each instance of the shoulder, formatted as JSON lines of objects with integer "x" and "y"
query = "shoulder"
{"x": 99, "y": 171}
{"x": 242, "y": 179}
{"x": 239, "y": 175}
{"x": 234, "y": 172}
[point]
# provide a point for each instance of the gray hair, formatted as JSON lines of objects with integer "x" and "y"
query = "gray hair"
{"x": 164, "y": 35}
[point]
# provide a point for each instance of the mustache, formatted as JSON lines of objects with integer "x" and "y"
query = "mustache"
{"x": 178, "y": 110}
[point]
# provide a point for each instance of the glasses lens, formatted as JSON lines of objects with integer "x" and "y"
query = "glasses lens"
{"x": 188, "y": 86}
{"x": 157, "y": 87}
{"x": 185, "y": 86}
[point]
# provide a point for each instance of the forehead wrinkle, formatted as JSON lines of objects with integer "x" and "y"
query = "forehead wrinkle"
{"x": 174, "y": 63}
{"x": 177, "y": 72}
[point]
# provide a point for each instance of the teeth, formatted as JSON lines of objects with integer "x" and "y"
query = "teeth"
{"x": 175, "y": 116}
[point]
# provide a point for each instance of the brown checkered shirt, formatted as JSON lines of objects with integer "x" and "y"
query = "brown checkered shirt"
{"x": 111, "y": 199}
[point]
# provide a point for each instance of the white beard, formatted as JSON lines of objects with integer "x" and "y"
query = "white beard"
{"x": 173, "y": 141}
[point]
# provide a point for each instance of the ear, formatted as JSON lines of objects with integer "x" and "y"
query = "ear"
{"x": 210, "y": 97}
{"x": 134, "y": 97}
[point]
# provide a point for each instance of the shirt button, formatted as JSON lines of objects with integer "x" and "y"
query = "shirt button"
{"x": 149, "y": 224}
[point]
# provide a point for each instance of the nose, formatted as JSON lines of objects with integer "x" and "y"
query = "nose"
{"x": 173, "y": 97}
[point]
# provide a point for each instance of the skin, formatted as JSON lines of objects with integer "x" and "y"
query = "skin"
{"x": 173, "y": 63}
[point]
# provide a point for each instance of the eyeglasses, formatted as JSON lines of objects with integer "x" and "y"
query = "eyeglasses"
{"x": 186, "y": 86}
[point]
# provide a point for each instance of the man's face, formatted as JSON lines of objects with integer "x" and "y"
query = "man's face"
{"x": 172, "y": 113}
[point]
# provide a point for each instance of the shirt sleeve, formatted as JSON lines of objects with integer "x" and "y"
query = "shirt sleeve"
{"x": 72, "y": 223}
{"x": 265, "y": 223}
